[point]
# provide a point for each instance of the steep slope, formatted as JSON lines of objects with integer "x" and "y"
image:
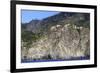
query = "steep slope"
{"x": 62, "y": 18}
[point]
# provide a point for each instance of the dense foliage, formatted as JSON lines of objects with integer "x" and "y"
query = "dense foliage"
{"x": 30, "y": 37}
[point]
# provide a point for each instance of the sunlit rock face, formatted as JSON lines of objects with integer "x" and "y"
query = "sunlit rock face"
{"x": 85, "y": 40}
{"x": 62, "y": 42}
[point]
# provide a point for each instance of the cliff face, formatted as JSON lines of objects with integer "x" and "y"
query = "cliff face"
{"x": 60, "y": 40}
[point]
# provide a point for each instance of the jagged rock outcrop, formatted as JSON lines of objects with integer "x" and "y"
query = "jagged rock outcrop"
{"x": 63, "y": 42}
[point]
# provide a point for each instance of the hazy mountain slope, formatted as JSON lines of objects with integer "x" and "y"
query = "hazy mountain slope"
{"x": 78, "y": 19}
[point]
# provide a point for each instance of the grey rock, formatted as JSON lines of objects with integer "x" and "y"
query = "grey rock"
{"x": 62, "y": 43}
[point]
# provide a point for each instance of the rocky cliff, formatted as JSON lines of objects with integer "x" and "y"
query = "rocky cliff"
{"x": 62, "y": 36}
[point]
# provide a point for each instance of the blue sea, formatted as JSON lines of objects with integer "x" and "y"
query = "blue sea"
{"x": 52, "y": 60}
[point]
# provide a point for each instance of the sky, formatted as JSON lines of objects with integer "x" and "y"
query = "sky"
{"x": 28, "y": 15}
